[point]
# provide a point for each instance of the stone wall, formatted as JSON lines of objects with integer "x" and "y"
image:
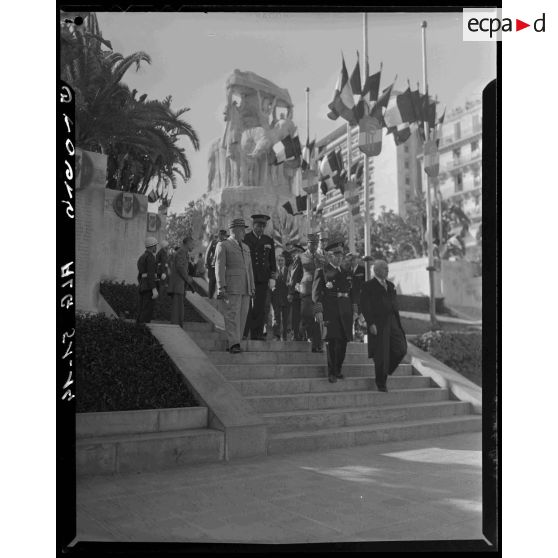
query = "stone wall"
{"x": 107, "y": 246}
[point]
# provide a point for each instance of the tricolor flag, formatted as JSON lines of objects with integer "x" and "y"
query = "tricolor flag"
{"x": 399, "y": 110}
{"x": 288, "y": 208}
{"x": 301, "y": 203}
{"x": 438, "y": 129}
{"x": 286, "y": 150}
{"x": 308, "y": 156}
{"x": 360, "y": 107}
{"x": 351, "y": 193}
{"x": 332, "y": 172}
{"x": 355, "y": 209}
{"x": 343, "y": 102}
{"x": 357, "y": 171}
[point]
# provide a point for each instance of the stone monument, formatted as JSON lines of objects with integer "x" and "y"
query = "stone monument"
{"x": 241, "y": 177}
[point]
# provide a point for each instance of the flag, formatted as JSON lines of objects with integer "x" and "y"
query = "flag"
{"x": 301, "y": 203}
{"x": 431, "y": 159}
{"x": 418, "y": 103}
{"x": 331, "y": 167}
{"x": 308, "y": 156}
{"x": 438, "y": 129}
{"x": 370, "y": 134}
{"x": 372, "y": 88}
{"x": 288, "y": 208}
{"x": 287, "y": 149}
{"x": 360, "y": 108}
{"x": 355, "y": 209}
{"x": 400, "y": 133}
{"x": 357, "y": 171}
{"x": 343, "y": 102}
{"x": 351, "y": 193}
{"x": 399, "y": 110}
{"x": 311, "y": 187}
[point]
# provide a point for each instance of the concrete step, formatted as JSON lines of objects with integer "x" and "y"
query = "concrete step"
{"x": 322, "y": 385}
{"x": 198, "y": 327}
{"x": 286, "y": 371}
{"x": 134, "y": 453}
{"x": 289, "y": 442}
{"x": 338, "y": 418}
{"x": 335, "y": 400}
{"x": 270, "y": 357}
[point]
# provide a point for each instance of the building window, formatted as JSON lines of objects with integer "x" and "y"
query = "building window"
{"x": 406, "y": 149}
{"x": 456, "y": 154}
{"x": 406, "y": 163}
{"x": 457, "y": 130}
{"x": 407, "y": 196}
{"x": 407, "y": 180}
{"x": 474, "y": 146}
{"x": 458, "y": 182}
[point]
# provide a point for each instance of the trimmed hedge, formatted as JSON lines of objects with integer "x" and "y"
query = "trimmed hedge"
{"x": 121, "y": 367}
{"x": 123, "y": 299}
{"x": 460, "y": 350}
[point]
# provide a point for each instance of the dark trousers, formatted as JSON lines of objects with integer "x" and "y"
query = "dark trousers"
{"x": 336, "y": 349}
{"x": 295, "y": 318}
{"x": 309, "y": 325}
{"x": 177, "y": 309}
{"x": 145, "y": 307}
{"x": 391, "y": 348}
{"x": 256, "y": 315}
{"x": 281, "y": 320}
{"x": 212, "y": 282}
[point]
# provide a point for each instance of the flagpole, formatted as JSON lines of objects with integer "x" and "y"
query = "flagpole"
{"x": 430, "y": 268}
{"x": 351, "y": 221}
{"x": 365, "y": 170}
{"x": 309, "y": 195}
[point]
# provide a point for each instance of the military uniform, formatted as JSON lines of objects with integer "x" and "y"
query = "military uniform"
{"x": 262, "y": 250}
{"x": 332, "y": 290}
{"x": 147, "y": 269}
{"x": 304, "y": 267}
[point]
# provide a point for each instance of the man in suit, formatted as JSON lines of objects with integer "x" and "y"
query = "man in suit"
{"x": 163, "y": 269}
{"x": 386, "y": 339}
{"x": 235, "y": 282}
{"x": 210, "y": 261}
{"x": 279, "y": 299}
{"x": 179, "y": 277}
{"x": 331, "y": 292}
{"x": 147, "y": 276}
{"x": 262, "y": 250}
{"x": 293, "y": 298}
{"x": 358, "y": 277}
{"x": 302, "y": 277}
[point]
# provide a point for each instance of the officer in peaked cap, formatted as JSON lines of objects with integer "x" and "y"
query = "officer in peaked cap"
{"x": 147, "y": 277}
{"x": 331, "y": 292}
{"x": 302, "y": 276}
{"x": 262, "y": 250}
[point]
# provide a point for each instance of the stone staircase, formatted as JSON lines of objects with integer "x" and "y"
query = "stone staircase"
{"x": 286, "y": 384}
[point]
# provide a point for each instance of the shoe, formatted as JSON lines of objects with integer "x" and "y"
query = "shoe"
{"x": 235, "y": 349}
{"x": 317, "y": 350}
{"x": 332, "y": 379}
{"x": 383, "y": 388}
{"x": 340, "y": 376}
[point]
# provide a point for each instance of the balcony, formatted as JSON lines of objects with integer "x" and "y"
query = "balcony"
{"x": 466, "y": 134}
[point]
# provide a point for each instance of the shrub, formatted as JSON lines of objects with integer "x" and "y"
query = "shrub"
{"x": 123, "y": 299}
{"x": 120, "y": 367}
{"x": 460, "y": 350}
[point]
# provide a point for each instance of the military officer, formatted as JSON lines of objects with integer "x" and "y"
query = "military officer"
{"x": 262, "y": 250}
{"x": 331, "y": 290}
{"x": 147, "y": 276}
{"x": 304, "y": 267}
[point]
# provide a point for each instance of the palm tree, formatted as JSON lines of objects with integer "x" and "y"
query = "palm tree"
{"x": 140, "y": 137}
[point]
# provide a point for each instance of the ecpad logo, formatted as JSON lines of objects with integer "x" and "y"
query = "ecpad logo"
{"x": 488, "y": 24}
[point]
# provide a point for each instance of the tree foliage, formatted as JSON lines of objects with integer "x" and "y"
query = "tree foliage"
{"x": 140, "y": 137}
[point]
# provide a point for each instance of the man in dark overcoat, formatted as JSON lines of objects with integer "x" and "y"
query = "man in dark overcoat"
{"x": 302, "y": 278}
{"x": 386, "y": 339}
{"x": 294, "y": 296}
{"x": 279, "y": 300}
{"x": 332, "y": 291}
{"x": 358, "y": 277}
{"x": 147, "y": 277}
{"x": 262, "y": 250}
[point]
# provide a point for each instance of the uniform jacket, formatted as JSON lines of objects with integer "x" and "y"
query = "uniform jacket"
{"x": 262, "y": 251}
{"x": 304, "y": 268}
{"x": 210, "y": 254}
{"x": 162, "y": 260}
{"x": 376, "y": 304}
{"x": 233, "y": 267}
{"x": 337, "y": 311}
{"x": 179, "y": 272}
{"x": 147, "y": 265}
{"x": 358, "y": 277}
{"x": 281, "y": 291}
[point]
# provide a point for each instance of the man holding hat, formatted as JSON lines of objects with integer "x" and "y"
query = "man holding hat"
{"x": 302, "y": 277}
{"x": 147, "y": 269}
{"x": 210, "y": 261}
{"x": 332, "y": 291}
{"x": 386, "y": 339}
{"x": 262, "y": 250}
{"x": 179, "y": 276}
{"x": 235, "y": 282}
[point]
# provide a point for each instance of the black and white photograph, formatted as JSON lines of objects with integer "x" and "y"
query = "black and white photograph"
{"x": 273, "y": 328}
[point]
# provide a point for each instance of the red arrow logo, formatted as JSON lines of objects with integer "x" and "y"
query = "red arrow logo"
{"x": 519, "y": 25}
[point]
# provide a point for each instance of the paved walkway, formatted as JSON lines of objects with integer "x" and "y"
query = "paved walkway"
{"x": 425, "y": 489}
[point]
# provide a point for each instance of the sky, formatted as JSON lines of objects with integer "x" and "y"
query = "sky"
{"x": 194, "y": 53}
